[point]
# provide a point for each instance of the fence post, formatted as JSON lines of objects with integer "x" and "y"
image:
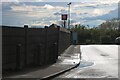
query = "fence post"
{"x": 18, "y": 57}
{"x": 26, "y": 34}
{"x": 46, "y": 45}
{"x": 58, "y": 40}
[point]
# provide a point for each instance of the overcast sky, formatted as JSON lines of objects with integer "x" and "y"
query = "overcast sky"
{"x": 45, "y": 12}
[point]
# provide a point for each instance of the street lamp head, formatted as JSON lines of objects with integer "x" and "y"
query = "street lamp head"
{"x": 69, "y": 3}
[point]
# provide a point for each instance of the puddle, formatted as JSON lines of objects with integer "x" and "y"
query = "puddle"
{"x": 84, "y": 63}
{"x": 104, "y": 55}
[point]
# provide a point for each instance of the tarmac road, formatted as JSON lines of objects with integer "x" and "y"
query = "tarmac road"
{"x": 98, "y": 61}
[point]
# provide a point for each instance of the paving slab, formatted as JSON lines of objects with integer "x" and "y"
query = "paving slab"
{"x": 68, "y": 60}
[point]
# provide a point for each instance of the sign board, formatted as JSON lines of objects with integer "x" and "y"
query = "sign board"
{"x": 64, "y": 16}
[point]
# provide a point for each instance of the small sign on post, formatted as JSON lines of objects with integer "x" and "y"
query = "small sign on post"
{"x": 64, "y": 17}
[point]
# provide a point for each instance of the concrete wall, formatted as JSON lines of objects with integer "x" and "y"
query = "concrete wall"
{"x": 64, "y": 39}
{"x": 13, "y": 45}
{"x": 24, "y": 47}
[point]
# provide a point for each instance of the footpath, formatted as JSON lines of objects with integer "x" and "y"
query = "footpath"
{"x": 68, "y": 60}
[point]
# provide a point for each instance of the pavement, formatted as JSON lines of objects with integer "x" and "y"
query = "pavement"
{"x": 68, "y": 60}
{"x": 99, "y": 62}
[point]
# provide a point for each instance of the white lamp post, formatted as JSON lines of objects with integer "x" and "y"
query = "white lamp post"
{"x": 69, "y": 14}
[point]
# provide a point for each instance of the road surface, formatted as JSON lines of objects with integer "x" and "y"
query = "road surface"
{"x": 98, "y": 61}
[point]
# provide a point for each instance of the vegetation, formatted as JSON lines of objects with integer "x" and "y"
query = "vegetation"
{"x": 105, "y": 33}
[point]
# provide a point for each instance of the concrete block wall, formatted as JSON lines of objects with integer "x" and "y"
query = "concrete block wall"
{"x": 26, "y": 47}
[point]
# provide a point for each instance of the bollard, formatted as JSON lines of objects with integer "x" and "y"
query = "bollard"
{"x": 18, "y": 56}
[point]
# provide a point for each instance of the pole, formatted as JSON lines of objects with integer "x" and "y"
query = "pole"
{"x": 69, "y": 15}
{"x": 64, "y": 23}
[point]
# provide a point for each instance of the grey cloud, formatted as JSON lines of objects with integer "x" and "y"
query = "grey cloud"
{"x": 6, "y": 6}
{"x": 83, "y": 13}
{"x": 91, "y": 6}
{"x": 57, "y": 13}
{"x": 110, "y": 15}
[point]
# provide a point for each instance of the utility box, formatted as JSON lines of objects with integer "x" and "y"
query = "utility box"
{"x": 74, "y": 36}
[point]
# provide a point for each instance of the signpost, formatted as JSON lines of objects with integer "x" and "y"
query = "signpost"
{"x": 64, "y": 17}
